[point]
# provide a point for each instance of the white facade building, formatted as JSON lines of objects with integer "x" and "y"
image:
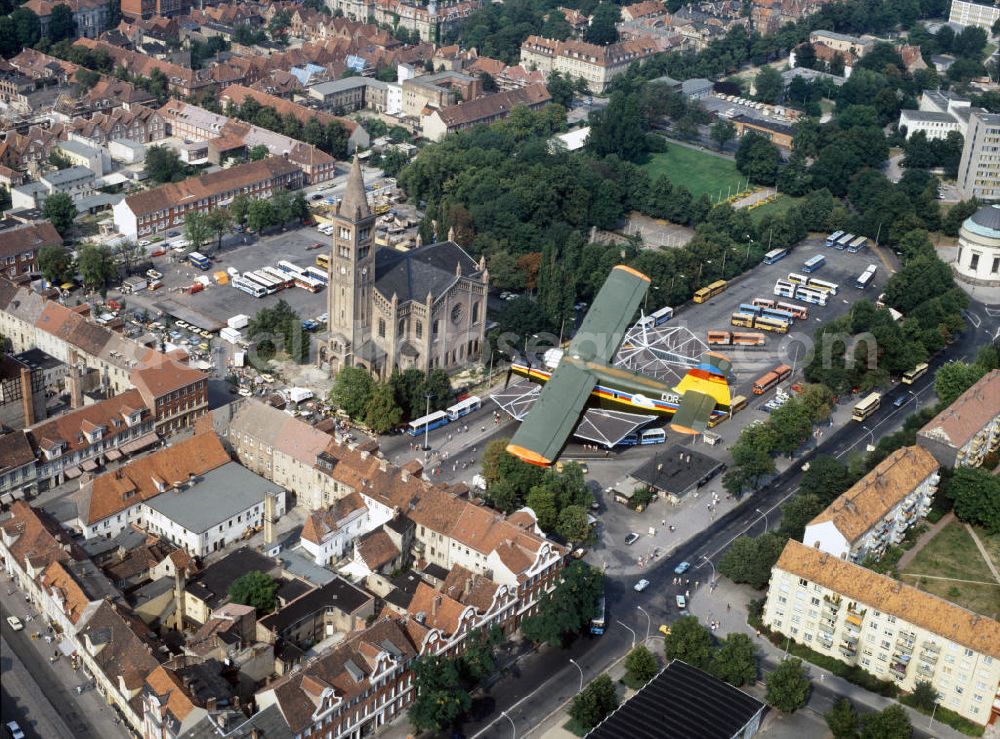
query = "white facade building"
{"x": 968, "y": 13}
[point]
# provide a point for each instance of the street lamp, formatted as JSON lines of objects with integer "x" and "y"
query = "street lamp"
{"x": 427, "y": 426}
{"x": 765, "y": 518}
{"x": 711, "y": 584}
{"x": 916, "y": 399}
{"x": 634, "y": 637}
{"x": 512, "y": 726}
{"x": 648, "y": 622}
{"x": 645, "y": 301}
{"x": 670, "y": 292}
{"x": 574, "y": 663}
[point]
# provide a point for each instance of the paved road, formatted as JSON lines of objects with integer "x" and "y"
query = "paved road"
{"x": 543, "y": 681}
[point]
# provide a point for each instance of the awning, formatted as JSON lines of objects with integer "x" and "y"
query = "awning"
{"x": 141, "y": 443}
{"x": 72, "y": 472}
{"x": 17, "y": 494}
{"x": 6, "y": 498}
{"x": 112, "y": 455}
{"x": 852, "y": 619}
{"x": 88, "y": 465}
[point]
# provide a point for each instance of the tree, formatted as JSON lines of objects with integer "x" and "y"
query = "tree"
{"x": 197, "y": 229}
{"x": 799, "y": 511}
{"x": 924, "y": 695}
{"x": 560, "y": 88}
{"x": 594, "y": 702}
{"x": 825, "y": 479}
{"x": 96, "y": 265}
{"x": 735, "y": 660}
{"x": 440, "y": 698}
{"x": 976, "y": 493}
{"x": 61, "y": 23}
{"x": 722, "y": 132}
{"x": 256, "y": 589}
{"x": 640, "y": 667}
{"x": 260, "y": 215}
{"x": 568, "y": 608}
{"x": 279, "y": 327}
{"x": 603, "y": 24}
{"x": 750, "y": 559}
{"x": 689, "y": 642}
{"x": 770, "y": 85}
{"x": 889, "y": 723}
{"x": 239, "y": 209}
{"x": 788, "y": 686}
{"x": 258, "y": 152}
{"x": 573, "y": 524}
{"x": 953, "y": 379}
{"x": 56, "y": 263}
{"x": 87, "y": 78}
{"x": 842, "y": 720}
{"x": 758, "y": 159}
{"x": 129, "y": 254}
{"x": 164, "y": 165}
{"x": 618, "y": 128}
{"x": 352, "y": 390}
{"x": 556, "y": 26}
{"x": 27, "y": 27}
{"x": 219, "y": 221}
{"x": 381, "y": 412}
{"x": 542, "y": 501}
{"x": 61, "y": 211}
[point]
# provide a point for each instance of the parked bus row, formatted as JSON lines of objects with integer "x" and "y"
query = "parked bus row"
{"x": 437, "y": 419}
{"x": 798, "y": 311}
{"x": 771, "y": 312}
{"x": 735, "y": 338}
{"x": 841, "y": 240}
{"x": 814, "y": 283}
{"x": 769, "y": 380}
{"x": 709, "y": 291}
{"x": 866, "y": 277}
{"x": 764, "y": 323}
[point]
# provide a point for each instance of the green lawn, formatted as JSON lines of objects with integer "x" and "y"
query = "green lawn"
{"x": 778, "y": 207}
{"x": 698, "y": 171}
{"x": 953, "y": 553}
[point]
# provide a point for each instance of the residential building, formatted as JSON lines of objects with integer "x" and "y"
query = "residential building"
{"x": 90, "y": 16}
{"x": 328, "y": 534}
{"x": 438, "y": 90}
{"x": 876, "y": 511}
{"x": 112, "y": 502}
{"x": 967, "y": 430}
{"x": 843, "y": 43}
{"x": 682, "y": 700}
{"x": 138, "y": 123}
{"x": 18, "y": 470}
{"x": 177, "y": 696}
{"x": 424, "y": 308}
{"x": 149, "y": 8}
{"x": 780, "y": 134}
{"x": 357, "y": 137}
{"x": 22, "y": 393}
{"x": 974, "y": 13}
{"x": 978, "y": 260}
{"x": 939, "y": 113}
{"x": 95, "y": 158}
{"x": 176, "y": 393}
{"x": 343, "y": 96}
{"x": 893, "y": 631}
{"x": 337, "y": 607}
{"x": 213, "y": 510}
{"x": 181, "y": 81}
{"x": 482, "y": 111}
{"x": 19, "y": 247}
{"x": 28, "y": 152}
{"x": 80, "y": 441}
{"x": 979, "y": 168}
{"x": 208, "y": 590}
{"x": 163, "y": 208}
{"x": 597, "y": 65}
{"x": 77, "y": 182}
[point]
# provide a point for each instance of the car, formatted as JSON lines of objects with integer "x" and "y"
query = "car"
{"x": 310, "y": 325}
{"x": 145, "y": 242}
{"x": 14, "y": 730}
{"x": 15, "y": 623}
{"x": 681, "y": 601}
{"x": 682, "y": 568}
{"x": 900, "y": 401}
{"x": 631, "y": 538}
{"x": 641, "y": 585}
{"x": 171, "y": 234}
{"x": 317, "y": 196}
{"x": 664, "y": 629}
{"x": 317, "y": 245}
{"x": 579, "y": 553}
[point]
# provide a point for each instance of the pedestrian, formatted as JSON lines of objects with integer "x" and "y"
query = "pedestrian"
{"x": 695, "y": 584}
{"x": 729, "y": 606}
{"x": 687, "y": 593}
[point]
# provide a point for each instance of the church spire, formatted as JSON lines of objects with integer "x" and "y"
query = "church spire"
{"x": 355, "y": 203}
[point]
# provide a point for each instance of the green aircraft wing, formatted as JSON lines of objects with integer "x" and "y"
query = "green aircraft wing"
{"x": 554, "y": 415}
{"x": 693, "y": 414}
{"x": 604, "y": 326}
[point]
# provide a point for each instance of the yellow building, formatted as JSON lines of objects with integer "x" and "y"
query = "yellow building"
{"x": 893, "y": 631}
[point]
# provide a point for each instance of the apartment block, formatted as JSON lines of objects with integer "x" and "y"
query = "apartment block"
{"x": 19, "y": 247}
{"x": 892, "y": 630}
{"x": 878, "y": 509}
{"x": 967, "y": 430}
{"x": 597, "y": 65}
{"x": 979, "y": 169}
{"x": 165, "y": 207}
{"x": 974, "y": 13}
{"x": 482, "y": 111}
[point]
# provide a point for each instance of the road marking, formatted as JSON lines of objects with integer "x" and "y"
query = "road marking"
{"x": 749, "y": 526}
{"x": 871, "y": 431}
{"x": 975, "y": 320}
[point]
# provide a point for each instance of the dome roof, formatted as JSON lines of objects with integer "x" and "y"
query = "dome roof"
{"x": 985, "y": 221}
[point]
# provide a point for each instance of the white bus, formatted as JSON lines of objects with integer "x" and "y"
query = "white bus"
{"x": 832, "y": 238}
{"x": 317, "y": 274}
{"x": 823, "y": 286}
{"x": 306, "y": 282}
{"x": 857, "y": 245}
{"x": 249, "y": 287}
{"x": 267, "y": 282}
{"x": 797, "y": 279}
{"x": 285, "y": 279}
{"x": 292, "y": 269}
{"x": 775, "y": 255}
{"x": 866, "y": 278}
{"x": 814, "y": 297}
{"x": 427, "y": 423}
{"x": 866, "y": 407}
{"x": 784, "y": 289}
{"x": 843, "y": 241}
{"x": 464, "y": 407}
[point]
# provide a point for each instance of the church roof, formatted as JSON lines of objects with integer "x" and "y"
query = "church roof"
{"x": 355, "y": 203}
{"x": 411, "y": 275}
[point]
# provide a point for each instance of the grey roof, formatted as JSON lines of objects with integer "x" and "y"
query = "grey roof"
{"x": 216, "y": 496}
{"x": 99, "y": 200}
{"x": 128, "y": 539}
{"x": 151, "y": 591}
{"x": 681, "y": 702}
{"x": 268, "y": 723}
{"x": 212, "y": 584}
{"x": 37, "y": 359}
{"x": 985, "y": 221}
{"x": 334, "y": 86}
{"x": 300, "y": 565}
{"x": 338, "y": 593}
{"x": 678, "y": 470}
{"x": 78, "y": 148}
{"x": 695, "y": 85}
{"x": 354, "y": 204}
{"x": 931, "y": 116}
{"x": 70, "y": 174}
{"x": 411, "y": 275}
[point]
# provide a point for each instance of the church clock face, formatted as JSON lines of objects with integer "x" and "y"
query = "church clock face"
{"x": 456, "y": 314}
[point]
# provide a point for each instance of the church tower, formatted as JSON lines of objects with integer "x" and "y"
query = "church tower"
{"x": 352, "y": 276}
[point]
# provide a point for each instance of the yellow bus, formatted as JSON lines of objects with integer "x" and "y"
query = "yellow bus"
{"x": 916, "y": 373}
{"x": 771, "y": 324}
{"x": 738, "y": 404}
{"x": 866, "y": 407}
{"x": 742, "y": 319}
{"x": 709, "y": 291}
{"x": 716, "y": 420}
{"x": 323, "y": 261}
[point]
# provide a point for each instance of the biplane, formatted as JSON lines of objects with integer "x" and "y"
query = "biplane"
{"x": 585, "y": 375}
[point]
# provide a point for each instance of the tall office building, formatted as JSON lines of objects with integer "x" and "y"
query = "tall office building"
{"x": 979, "y": 171}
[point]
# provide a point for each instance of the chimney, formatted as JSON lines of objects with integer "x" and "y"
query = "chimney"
{"x": 210, "y": 703}
{"x": 434, "y": 606}
{"x": 180, "y": 583}
{"x": 75, "y": 386}
{"x": 466, "y": 588}
{"x": 269, "y": 518}
{"x": 27, "y": 397}
{"x": 404, "y": 475}
{"x": 383, "y": 465}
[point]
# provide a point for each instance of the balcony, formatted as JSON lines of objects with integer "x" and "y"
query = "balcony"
{"x": 924, "y": 670}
